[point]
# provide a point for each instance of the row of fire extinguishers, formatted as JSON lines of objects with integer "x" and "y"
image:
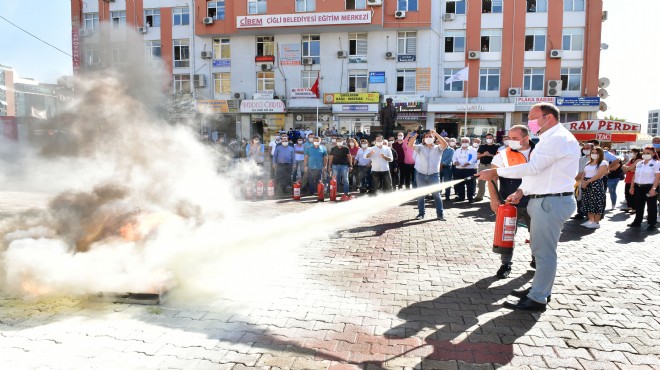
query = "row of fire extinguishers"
{"x": 256, "y": 191}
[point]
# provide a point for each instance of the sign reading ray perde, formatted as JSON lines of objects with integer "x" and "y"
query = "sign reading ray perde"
{"x": 350, "y": 98}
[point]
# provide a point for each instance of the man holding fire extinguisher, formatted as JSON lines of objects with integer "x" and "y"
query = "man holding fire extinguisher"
{"x": 548, "y": 180}
{"x": 518, "y": 152}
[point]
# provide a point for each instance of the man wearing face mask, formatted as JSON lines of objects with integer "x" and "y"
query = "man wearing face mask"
{"x": 505, "y": 143}
{"x": 485, "y": 154}
{"x": 518, "y": 152}
{"x": 465, "y": 165}
{"x": 397, "y": 177}
{"x": 380, "y": 156}
{"x": 427, "y": 165}
{"x": 316, "y": 160}
{"x": 341, "y": 162}
{"x": 548, "y": 179}
{"x": 283, "y": 160}
{"x": 363, "y": 167}
{"x": 298, "y": 165}
{"x": 446, "y": 165}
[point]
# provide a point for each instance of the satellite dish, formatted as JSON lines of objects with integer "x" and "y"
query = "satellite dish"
{"x": 602, "y": 106}
{"x": 604, "y": 46}
{"x": 603, "y": 82}
{"x": 602, "y": 93}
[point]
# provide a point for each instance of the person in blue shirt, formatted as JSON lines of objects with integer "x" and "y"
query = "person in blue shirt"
{"x": 446, "y": 164}
{"x": 316, "y": 160}
{"x": 283, "y": 160}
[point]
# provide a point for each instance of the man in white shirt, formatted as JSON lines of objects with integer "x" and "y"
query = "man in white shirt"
{"x": 363, "y": 164}
{"x": 465, "y": 165}
{"x": 548, "y": 179}
{"x": 380, "y": 156}
{"x": 427, "y": 168}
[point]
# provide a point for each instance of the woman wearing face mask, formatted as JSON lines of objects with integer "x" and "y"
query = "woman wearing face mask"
{"x": 593, "y": 192}
{"x": 353, "y": 147}
{"x": 645, "y": 189}
{"x": 629, "y": 170}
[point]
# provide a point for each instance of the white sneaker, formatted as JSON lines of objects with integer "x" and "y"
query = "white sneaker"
{"x": 586, "y": 224}
{"x": 593, "y": 225}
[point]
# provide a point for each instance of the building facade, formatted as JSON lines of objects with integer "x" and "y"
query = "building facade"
{"x": 652, "y": 128}
{"x": 258, "y": 66}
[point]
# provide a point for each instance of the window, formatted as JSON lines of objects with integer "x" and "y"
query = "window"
{"x": 118, "y": 55}
{"x": 91, "y": 21}
{"x": 454, "y": 41}
{"x": 221, "y": 49}
{"x": 92, "y": 54}
{"x": 455, "y": 6}
{"x": 533, "y": 79}
{"x": 569, "y": 117}
{"x": 305, "y": 5}
{"x": 118, "y": 19}
{"x": 407, "y": 43}
{"x": 222, "y": 83}
{"x": 152, "y": 49}
{"x": 256, "y": 6}
{"x": 405, "y": 80}
{"x": 265, "y": 45}
{"x": 181, "y": 16}
{"x": 489, "y": 79}
{"x": 572, "y": 39}
{"x": 181, "y": 53}
{"x": 216, "y": 10}
{"x": 308, "y": 78}
{"x": 571, "y": 79}
{"x": 311, "y": 47}
{"x": 407, "y": 5}
{"x": 357, "y": 81}
{"x": 266, "y": 81}
{"x": 537, "y": 6}
{"x": 491, "y": 6}
{"x": 454, "y": 86}
{"x": 152, "y": 17}
{"x": 573, "y": 5}
{"x": 535, "y": 39}
{"x": 182, "y": 84}
{"x": 357, "y": 44}
{"x": 491, "y": 40}
{"x": 356, "y": 4}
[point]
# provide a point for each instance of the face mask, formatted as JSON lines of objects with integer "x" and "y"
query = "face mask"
{"x": 656, "y": 146}
{"x": 278, "y": 140}
{"x": 340, "y": 143}
{"x": 534, "y": 126}
{"x": 465, "y": 145}
{"x": 489, "y": 141}
{"x": 334, "y": 140}
{"x": 379, "y": 143}
{"x": 646, "y": 157}
{"x": 299, "y": 142}
{"x": 317, "y": 143}
{"x": 594, "y": 156}
{"x": 311, "y": 139}
{"x": 364, "y": 146}
{"x": 399, "y": 137}
{"x": 285, "y": 143}
{"x": 452, "y": 144}
{"x": 586, "y": 151}
{"x": 256, "y": 140}
{"x": 428, "y": 140}
{"x": 507, "y": 142}
{"x": 475, "y": 145}
{"x": 515, "y": 144}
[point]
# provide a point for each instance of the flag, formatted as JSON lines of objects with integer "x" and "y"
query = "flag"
{"x": 461, "y": 75}
{"x": 40, "y": 114}
{"x": 315, "y": 87}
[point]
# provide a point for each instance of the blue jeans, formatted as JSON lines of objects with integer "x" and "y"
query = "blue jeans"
{"x": 425, "y": 180}
{"x": 298, "y": 168}
{"x": 548, "y": 217}
{"x": 313, "y": 178}
{"x": 611, "y": 188}
{"x": 445, "y": 176}
{"x": 340, "y": 172}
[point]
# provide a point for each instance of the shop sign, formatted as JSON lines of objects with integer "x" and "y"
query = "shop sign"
{"x": 348, "y": 98}
{"x": 263, "y": 95}
{"x": 412, "y": 116}
{"x": 212, "y": 106}
{"x": 602, "y": 136}
{"x": 262, "y": 106}
{"x": 75, "y": 44}
{"x": 221, "y": 62}
{"x": 603, "y": 126}
{"x": 357, "y": 59}
{"x": 309, "y": 19}
{"x": 301, "y": 93}
{"x": 610, "y": 137}
{"x": 530, "y": 100}
{"x": 290, "y": 54}
{"x": 406, "y": 103}
{"x": 495, "y": 107}
{"x": 355, "y": 108}
{"x": 406, "y": 58}
{"x": 578, "y": 101}
{"x": 470, "y": 108}
{"x": 264, "y": 58}
{"x": 376, "y": 77}
{"x": 423, "y": 79}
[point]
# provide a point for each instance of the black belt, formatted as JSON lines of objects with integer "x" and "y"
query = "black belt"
{"x": 534, "y": 196}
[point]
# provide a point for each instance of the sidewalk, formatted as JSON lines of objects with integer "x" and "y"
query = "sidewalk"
{"x": 389, "y": 293}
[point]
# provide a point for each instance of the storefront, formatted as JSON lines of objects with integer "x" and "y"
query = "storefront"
{"x": 472, "y": 119}
{"x": 609, "y": 133}
{"x": 411, "y": 111}
{"x": 353, "y": 112}
{"x": 219, "y": 118}
{"x": 570, "y": 109}
{"x": 265, "y": 118}
{"x": 308, "y": 113}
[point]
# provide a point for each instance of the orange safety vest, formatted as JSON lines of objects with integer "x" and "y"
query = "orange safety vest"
{"x": 512, "y": 158}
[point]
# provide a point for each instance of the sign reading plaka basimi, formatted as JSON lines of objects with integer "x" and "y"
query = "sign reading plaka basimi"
{"x": 308, "y": 19}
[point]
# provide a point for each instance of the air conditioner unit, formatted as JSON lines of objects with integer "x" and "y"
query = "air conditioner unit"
{"x": 142, "y": 29}
{"x": 84, "y": 32}
{"x": 200, "y": 80}
{"x": 208, "y": 20}
{"x": 267, "y": 66}
{"x": 555, "y": 53}
{"x": 554, "y": 87}
{"x": 603, "y": 16}
{"x": 307, "y": 61}
{"x": 399, "y": 14}
{"x": 448, "y": 17}
{"x": 342, "y": 54}
{"x": 238, "y": 95}
{"x": 473, "y": 55}
{"x": 374, "y": 2}
{"x": 514, "y": 91}
{"x": 207, "y": 54}
{"x": 389, "y": 55}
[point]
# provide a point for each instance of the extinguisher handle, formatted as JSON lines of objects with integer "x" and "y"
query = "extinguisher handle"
{"x": 497, "y": 190}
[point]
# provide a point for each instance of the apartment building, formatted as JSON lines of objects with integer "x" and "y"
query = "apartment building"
{"x": 255, "y": 66}
{"x": 652, "y": 128}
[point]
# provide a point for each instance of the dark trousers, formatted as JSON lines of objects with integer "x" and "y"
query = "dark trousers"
{"x": 641, "y": 200}
{"x": 446, "y": 176}
{"x": 394, "y": 173}
{"x": 363, "y": 177}
{"x": 283, "y": 176}
{"x": 313, "y": 178}
{"x": 630, "y": 199}
{"x": 406, "y": 172}
{"x": 460, "y": 188}
{"x": 382, "y": 181}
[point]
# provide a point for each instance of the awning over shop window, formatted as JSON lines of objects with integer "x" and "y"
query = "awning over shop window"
{"x": 410, "y": 116}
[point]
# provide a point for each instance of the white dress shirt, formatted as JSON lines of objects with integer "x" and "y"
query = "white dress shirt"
{"x": 466, "y": 155}
{"x": 553, "y": 165}
{"x": 378, "y": 163}
{"x": 645, "y": 173}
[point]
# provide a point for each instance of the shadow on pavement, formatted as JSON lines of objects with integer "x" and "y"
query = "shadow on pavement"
{"x": 382, "y": 228}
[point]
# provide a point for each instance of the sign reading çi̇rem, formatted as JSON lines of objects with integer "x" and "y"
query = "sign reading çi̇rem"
{"x": 305, "y": 19}
{"x": 351, "y": 98}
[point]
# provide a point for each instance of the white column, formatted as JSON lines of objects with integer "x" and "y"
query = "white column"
{"x": 507, "y": 121}
{"x": 430, "y": 120}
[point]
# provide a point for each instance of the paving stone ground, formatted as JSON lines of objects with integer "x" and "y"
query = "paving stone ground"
{"x": 388, "y": 293}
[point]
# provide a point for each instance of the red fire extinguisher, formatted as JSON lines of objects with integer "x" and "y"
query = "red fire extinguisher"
{"x": 320, "y": 191}
{"x": 260, "y": 189}
{"x": 296, "y": 190}
{"x": 249, "y": 191}
{"x": 505, "y": 226}
{"x": 333, "y": 189}
{"x": 271, "y": 189}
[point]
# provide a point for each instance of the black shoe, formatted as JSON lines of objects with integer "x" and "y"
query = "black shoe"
{"x": 526, "y": 304}
{"x": 470, "y": 200}
{"x": 441, "y": 218}
{"x": 457, "y": 199}
{"x": 532, "y": 263}
{"x": 523, "y": 293}
{"x": 634, "y": 225}
{"x": 419, "y": 217}
{"x": 651, "y": 228}
{"x": 429, "y": 197}
{"x": 504, "y": 271}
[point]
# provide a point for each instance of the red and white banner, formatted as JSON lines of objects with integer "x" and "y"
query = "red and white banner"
{"x": 602, "y": 126}
{"x": 75, "y": 43}
{"x": 306, "y": 19}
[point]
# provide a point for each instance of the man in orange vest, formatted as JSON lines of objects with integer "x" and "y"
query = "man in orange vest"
{"x": 518, "y": 152}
